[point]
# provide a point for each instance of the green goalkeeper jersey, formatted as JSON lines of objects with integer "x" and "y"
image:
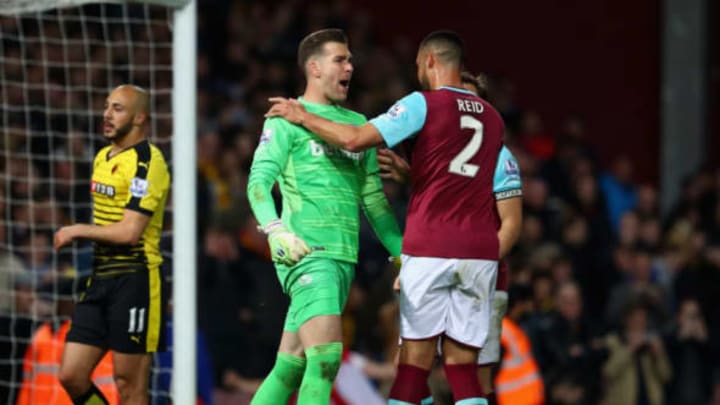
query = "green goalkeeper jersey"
{"x": 322, "y": 186}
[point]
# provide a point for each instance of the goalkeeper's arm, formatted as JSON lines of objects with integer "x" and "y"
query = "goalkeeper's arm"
{"x": 269, "y": 160}
{"x": 377, "y": 208}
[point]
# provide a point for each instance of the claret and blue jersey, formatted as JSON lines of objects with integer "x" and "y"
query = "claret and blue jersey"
{"x": 507, "y": 182}
{"x": 460, "y": 167}
{"x": 405, "y": 119}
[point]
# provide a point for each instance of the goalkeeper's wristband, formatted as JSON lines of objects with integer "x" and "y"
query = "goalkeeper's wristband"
{"x": 277, "y": 224}
{"x": 271, "y": 226}
{"x": 285, "y": 247}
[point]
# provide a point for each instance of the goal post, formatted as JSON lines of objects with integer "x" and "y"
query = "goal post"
{"x": 184, "y": 200}
{"x": 58, "y": 61}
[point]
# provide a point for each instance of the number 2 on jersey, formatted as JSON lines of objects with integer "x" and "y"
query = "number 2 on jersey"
{"x": 459, "y": 164}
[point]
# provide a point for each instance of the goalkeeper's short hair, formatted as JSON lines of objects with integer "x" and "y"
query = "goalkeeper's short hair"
{"x": 312, "y": 44}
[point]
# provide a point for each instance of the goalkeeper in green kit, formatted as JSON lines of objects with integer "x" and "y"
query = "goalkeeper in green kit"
{"x": 315, "y": 242}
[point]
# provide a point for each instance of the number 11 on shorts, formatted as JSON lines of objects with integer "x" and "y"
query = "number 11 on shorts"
{"x": 137, "y": 320}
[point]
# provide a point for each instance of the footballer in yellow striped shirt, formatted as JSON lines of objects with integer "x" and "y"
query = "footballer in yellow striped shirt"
{"x": 123, "y": 306}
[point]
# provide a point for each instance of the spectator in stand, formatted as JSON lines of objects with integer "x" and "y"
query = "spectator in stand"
{"x": 561, "y": 270}
{"x": 542, "y": 287}
{"x": 628, "y": 233}
{"x": 620, "y": 192}
{"x": 650, "y": 234}
{"x": 637, "y": 368}
{"x": 639, "y": 286}
{"x": 571, "y": 146}
{"x": 12, "y": 272}
{"x": 574, "y": 138}
{"x": 37, "y": 255}
{"x": 647, "y": 202}
{"x": 209, "y": 156}
{"x": 534, "y": 138}
{"x": 502, "y": 96}
{"x": 690, "y": 353}
{"x": 569, "y": 350}
{"x": 589, "y": 203}
{"x": 531, "y": 237}
{"x": 536, "y": 204}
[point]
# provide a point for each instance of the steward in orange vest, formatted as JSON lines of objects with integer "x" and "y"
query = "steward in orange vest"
{"x": 519, "y": 381}
{"x": 42, "y": 364}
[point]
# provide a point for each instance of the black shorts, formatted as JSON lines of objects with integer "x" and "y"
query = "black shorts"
{"x": 122, "y": 312}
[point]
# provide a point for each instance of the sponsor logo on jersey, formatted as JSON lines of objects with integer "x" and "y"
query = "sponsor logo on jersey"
{"x": 396, "y": 110}
{"x": 103, "y": 189}
{"x": 139, "y": 187}
{"x": 511, "y": 168}
{"x": 320, "y": 149}
{"x": 266, "y": 136}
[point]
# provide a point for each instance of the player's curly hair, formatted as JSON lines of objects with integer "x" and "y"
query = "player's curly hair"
{"x": 313, "y": 44}
{"x": 480, "y": 82}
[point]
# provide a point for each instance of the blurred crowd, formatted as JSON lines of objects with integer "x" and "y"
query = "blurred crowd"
{"x": 623, "y": 300}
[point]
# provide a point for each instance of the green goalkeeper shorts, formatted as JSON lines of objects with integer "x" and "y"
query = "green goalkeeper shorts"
{"x": 316, "y": 287}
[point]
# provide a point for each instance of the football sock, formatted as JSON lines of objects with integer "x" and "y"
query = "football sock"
{"x": 323, "y": 363}
{"x": 283, "y": 380}
{"x": 427, "y": 401}
{"x": 410, "y": 386}
{"x": 92, "y": 397}
{"x": 464, "y": 384}
{"x": 427, "y": 398}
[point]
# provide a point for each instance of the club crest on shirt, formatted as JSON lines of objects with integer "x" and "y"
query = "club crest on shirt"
{"x": 266, "y": 136}
{"x": 139, "y": 187}
{"x": 396, "y": 110}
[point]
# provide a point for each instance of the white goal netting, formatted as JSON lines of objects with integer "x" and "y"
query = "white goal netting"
{"x": 57, "y": 65}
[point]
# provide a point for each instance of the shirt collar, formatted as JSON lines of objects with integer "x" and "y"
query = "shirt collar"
{"x": 317, "y": 106}
{"x": 451, "y": 88}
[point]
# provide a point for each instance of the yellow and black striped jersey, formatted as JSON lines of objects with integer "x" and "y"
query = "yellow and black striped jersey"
{"x": 136, "y": 178}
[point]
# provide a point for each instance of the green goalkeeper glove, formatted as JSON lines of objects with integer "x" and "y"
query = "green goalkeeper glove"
{"x": 285, "y": 247}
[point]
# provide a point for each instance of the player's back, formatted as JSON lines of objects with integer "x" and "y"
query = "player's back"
{"x": 452, "y": 208}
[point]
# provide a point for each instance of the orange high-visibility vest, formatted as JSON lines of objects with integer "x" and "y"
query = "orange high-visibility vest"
{"x": 42, "y": 365}
{"x": 519, "y": 381}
